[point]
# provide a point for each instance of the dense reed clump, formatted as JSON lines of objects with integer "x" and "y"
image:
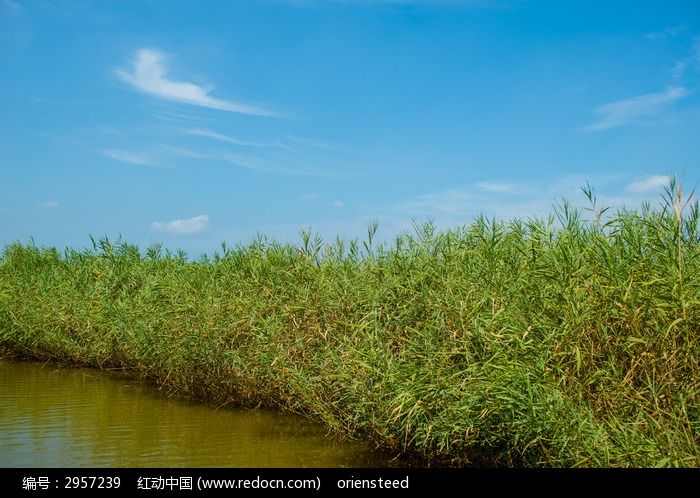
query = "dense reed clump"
{"x": 557, "y": 342}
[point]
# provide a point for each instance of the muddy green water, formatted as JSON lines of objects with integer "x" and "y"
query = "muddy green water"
{"x": 66, "y": 417}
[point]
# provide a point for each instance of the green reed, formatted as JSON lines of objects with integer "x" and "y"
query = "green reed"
{"x": 564, "y": 341}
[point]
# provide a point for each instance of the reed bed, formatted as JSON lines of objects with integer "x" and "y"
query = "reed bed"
{"x": 572, "y": 340}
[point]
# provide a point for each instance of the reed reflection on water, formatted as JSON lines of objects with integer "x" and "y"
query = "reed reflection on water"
{"x": 66, "y": 417}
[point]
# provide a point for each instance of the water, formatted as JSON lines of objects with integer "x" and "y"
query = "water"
{"x": 69, "y": 417}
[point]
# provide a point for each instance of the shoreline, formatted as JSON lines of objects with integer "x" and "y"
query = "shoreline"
{"x": 499, "y": 344}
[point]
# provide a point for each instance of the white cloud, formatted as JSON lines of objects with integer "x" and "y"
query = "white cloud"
{"x": 623, "y": 112}
{"x": 652, "y": 182}
{"x": 666, "y": 33}
{"x": 307, "y": 142}
{"x": 189, "y": 226}
{"x": 309, "y": 197}
{"x": 575, "y": 90}
{"x": 229, "y": 139}
{"x": 682, "y": 67}
{"x": 183, "y": 152}
{"x": 246, "y": 161}
{"x": 460, "y": 206}
{"x": 149, "y": 75}
{"x": 129, "y": 157}
{"x": 269, "y": 165}
{"x": 679, "y": 69}
{"x": 452, "y": 202}
{"x": 442, "y": 3}
{"x": 338, "y": 204}
{"x": 11, "y": 7}
{"x": 49, "y": 205}
{"x": 456, "y": 207}
{"x": 501, "y": 188}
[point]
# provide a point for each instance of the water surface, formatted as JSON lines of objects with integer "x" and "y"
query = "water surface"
{"x": 70, "y": 417}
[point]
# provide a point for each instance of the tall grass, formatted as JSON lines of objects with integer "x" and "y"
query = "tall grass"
{"x": 567, "y": 341}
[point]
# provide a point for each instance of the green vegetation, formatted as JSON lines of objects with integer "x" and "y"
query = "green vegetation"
{"x": 559, "y": 342}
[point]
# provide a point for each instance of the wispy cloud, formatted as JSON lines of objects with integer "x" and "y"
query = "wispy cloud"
{"x": 259, "y": 163}
{"x": 149, "y": 74}
{"x": 307, "y": 142}
{"x": 309, "y": 197}
{"x": 450, "y": 202}
{"x": 667, "y": 32}
{"x": 691, "y": 60}
{"x": 183, "y": 152}
{"x": 624, "y": 112}
{"x": 498, "y": 187}
{"x": 338, "y": 204}
{"x": 49, "y": 205}
{"x": 679, "y": 69}
{"x": 647, "y": 184}
{"x": 575, "y": 90}
{"x": 189, "y": 226}
{"x": 10, "y": 7}
{"x": 459, "y": 206}
{"x": 171, "y": 116}
{"x": 246, "y": 161}
{"x": 140, "y": 159}
{"x": 441, "y": 3}
{"x": 231, "y": 140}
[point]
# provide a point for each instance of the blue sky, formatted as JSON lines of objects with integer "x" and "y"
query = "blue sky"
{"x": 191, "y": 123}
